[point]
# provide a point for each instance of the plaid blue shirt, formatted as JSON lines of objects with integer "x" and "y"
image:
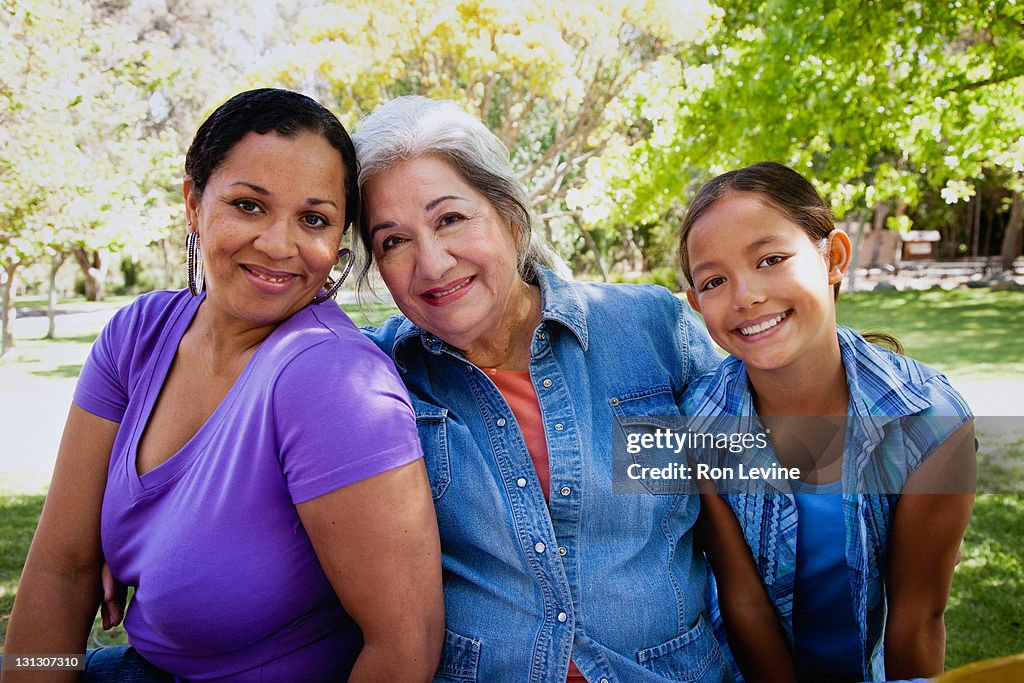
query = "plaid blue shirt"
{"x": 885, "y": 388}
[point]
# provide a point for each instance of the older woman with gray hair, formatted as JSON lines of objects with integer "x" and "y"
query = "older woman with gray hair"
{"x": 516, "y": 376}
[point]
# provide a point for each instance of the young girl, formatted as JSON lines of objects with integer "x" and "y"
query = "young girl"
{"x": 856, "y": 579}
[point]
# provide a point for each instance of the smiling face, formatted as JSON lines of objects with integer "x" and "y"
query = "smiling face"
{"x": 446, "y": 255}
{"x": 270, "y": 221}
{"x": 763, "y": 287}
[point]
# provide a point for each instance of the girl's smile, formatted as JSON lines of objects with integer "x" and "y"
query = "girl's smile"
{"x": 763, "y": 286}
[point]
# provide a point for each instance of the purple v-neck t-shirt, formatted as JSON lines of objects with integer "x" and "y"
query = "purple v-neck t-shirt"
{"x": 228, "y": 587}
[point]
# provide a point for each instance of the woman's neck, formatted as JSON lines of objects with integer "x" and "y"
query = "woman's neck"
{"x": 815, "y": 386}
{"x": 508, "y": 346}
{"x": 222, "y": 346}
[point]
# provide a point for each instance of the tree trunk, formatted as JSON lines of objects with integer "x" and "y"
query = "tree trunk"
{"x": 592, "y": 243}
{"x": 168, "y": 276}
{"x": 858, "y": 239}
{"x": 51, "y": 304}
{"x": 94, "y": 267}
{"x": 1013, "y": 237}
{"x": 7, "y": 312}
{"x": 881, "y": 213}
{"x": 976, "y": 226}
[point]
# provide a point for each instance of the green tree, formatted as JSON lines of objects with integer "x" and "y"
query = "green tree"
{"x": 873, "y": 101}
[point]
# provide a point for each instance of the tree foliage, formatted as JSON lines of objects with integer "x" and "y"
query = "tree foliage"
{"x": 874, "y": 101}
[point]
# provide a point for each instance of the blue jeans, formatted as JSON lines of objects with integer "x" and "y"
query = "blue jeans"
{"x": 121, "y": 664}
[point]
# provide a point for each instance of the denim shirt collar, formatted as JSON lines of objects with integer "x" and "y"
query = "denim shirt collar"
{"x": 559, "y": 304}
{"x": 876, "y": 387}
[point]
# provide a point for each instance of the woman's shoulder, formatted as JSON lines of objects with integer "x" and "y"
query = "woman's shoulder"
{"x": 635, "y": 297}
{"x": 322, "y": 336}
{"x": 148, "y": 315}
{"x": 390, "y": 332}
{"x": 649, "y": 309}
{"x": 154, "y": 305}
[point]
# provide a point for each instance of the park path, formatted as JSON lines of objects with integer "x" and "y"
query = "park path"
{"x": 35, "y": 396}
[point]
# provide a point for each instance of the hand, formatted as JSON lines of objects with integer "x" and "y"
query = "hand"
{"x": 115, "y": 595}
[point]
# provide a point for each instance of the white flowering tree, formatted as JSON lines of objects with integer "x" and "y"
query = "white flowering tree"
{"x": 78, "y": 166}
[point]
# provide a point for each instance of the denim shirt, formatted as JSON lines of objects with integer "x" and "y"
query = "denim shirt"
{"x": 883, "y": 447}
{"x": 611, "y": 581}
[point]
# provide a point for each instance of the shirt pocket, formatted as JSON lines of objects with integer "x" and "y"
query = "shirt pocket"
{"x": 694, "y": 656}
{"x": 432, "y": 425}
{"x": 641, "y": 413}
{"x": 460, "y": 659}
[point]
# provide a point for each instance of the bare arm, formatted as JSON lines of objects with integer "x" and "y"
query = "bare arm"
{"x": 751, "y": 623}
{"x": 923, "y": 551}
{"x": 377, "y": 541}
{"x": 60, "y": 584}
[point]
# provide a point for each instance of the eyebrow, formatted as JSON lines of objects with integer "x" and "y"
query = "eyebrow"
{"x": 429, "y": 206}
{"x": 264, "y": 192}
{"x": 756, "y": 245}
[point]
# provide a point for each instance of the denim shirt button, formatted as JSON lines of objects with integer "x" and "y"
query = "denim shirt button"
{"x": 539, "y": 547}
{"x": 542, "y": 335}
{"x": 604, "y": 680}
{"x": 562, "y": 550}
{"x": 565, "y": 491}
{"x": 501, "y": 422}
{"x": 547, "y": 383}
{"x": 521, "y": 482}
{"x": 614, "y": 402}
{"x": 562, "y": 616}
{"x": 559, "y": 427}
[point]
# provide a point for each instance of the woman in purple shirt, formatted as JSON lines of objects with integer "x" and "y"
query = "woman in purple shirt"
{"x": 238, "y": 452}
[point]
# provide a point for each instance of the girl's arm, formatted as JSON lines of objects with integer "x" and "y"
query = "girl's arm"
{"x": 751, "y": 624}
{"x": 60, "y": 584}
{"x": 923, "y": 550}
{"x": 378, "y": 544}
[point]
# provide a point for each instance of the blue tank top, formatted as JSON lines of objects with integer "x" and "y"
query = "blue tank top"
{"x": 825, "y": 633}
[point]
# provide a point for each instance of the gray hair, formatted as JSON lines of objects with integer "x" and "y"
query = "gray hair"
{"x": 412, "y": 126}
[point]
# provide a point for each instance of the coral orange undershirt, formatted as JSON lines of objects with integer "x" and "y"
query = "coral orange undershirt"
{"x": 517, "y": 388}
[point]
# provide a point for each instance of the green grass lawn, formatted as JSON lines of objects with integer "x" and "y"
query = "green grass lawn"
{"x": 973, "y": 334}
{"x": 964, "y": 332}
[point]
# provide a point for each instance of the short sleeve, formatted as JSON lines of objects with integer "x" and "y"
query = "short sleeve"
{"x": 342, "y": 414}
{"x": 102, "y": 388}
{"x": 928, "y": 430}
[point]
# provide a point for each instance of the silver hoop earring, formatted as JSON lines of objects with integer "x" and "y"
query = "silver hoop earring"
{"x": 331, "y": 287}
{"x": 196, "y": 275}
